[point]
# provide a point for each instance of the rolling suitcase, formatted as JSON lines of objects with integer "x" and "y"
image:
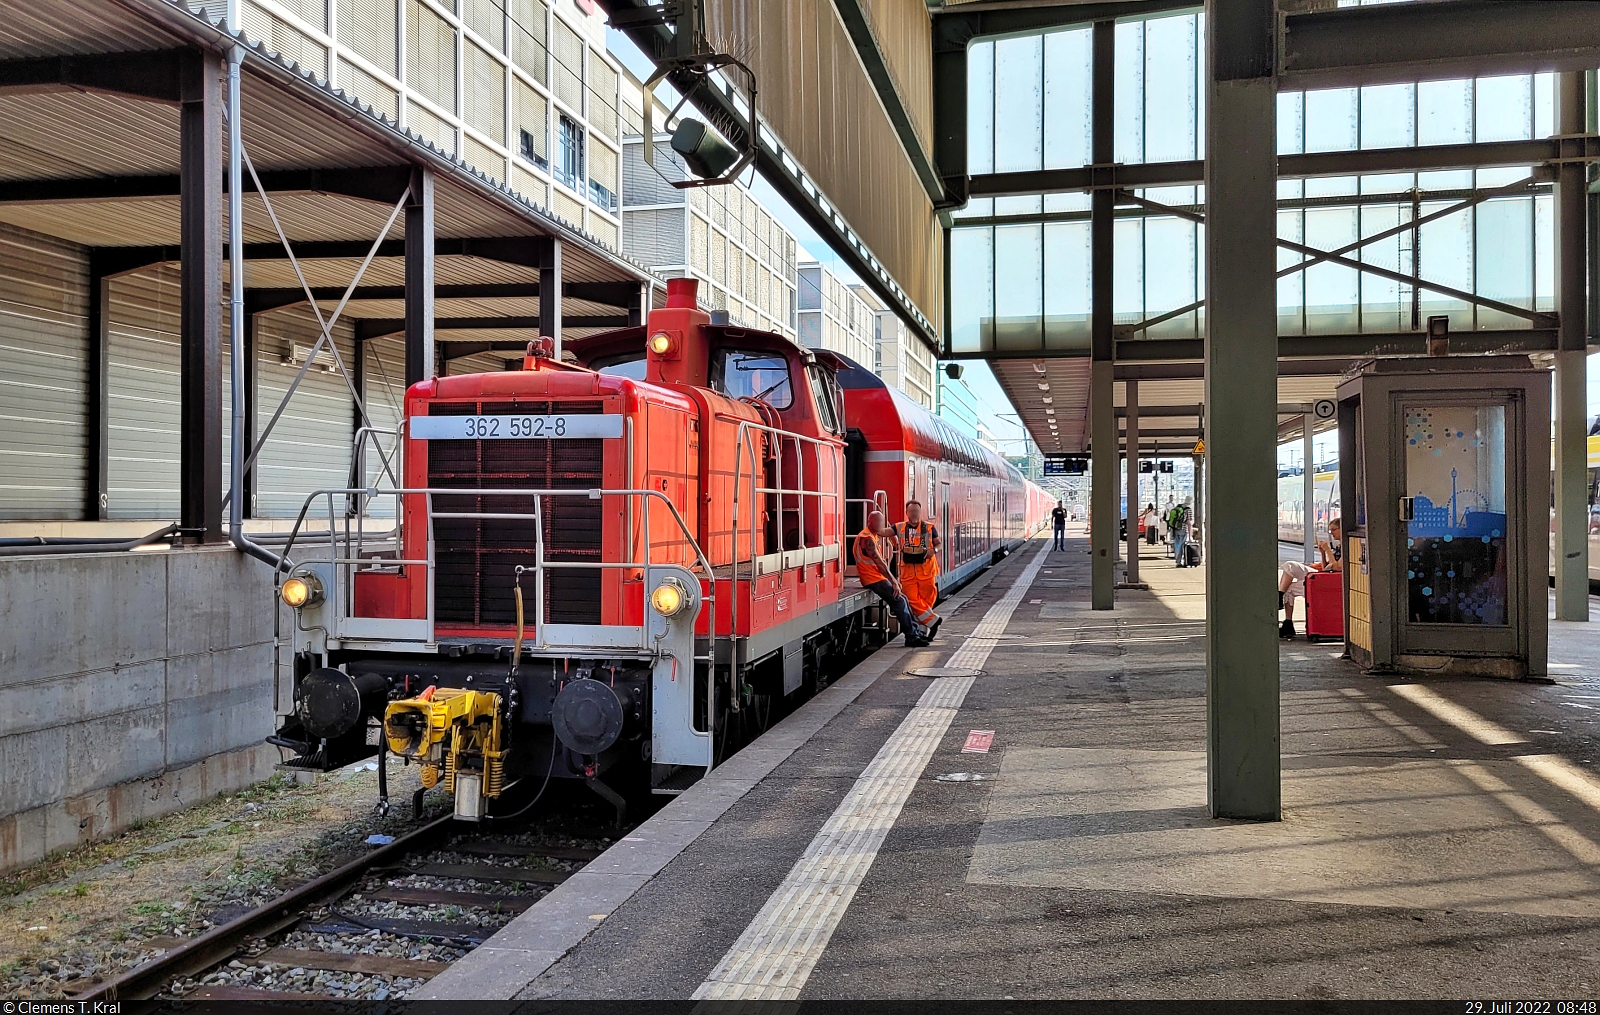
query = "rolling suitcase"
{"x": 1324, "y": 605}
{"x": 1192, "y": 551}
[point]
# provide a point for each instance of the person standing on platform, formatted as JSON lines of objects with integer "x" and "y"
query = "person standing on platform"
{"x": 877, "y": 578}
{"x": 919, "y": 566}
{"x": 1058, "y": 519}
{"x": 1180, "y": 534}
{"x": 1150, "y": 521}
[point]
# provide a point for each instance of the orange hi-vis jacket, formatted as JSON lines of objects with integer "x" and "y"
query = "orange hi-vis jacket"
{"x": 916, "y": 548}
{"x": 866, "y": 569}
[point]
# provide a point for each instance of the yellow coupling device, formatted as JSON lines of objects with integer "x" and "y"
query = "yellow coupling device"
{"x": 452, "y": 732}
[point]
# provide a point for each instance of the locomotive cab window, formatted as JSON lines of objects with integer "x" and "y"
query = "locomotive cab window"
{"x": 758, "y": 376}
{"x": 631, "y": 365}
{"x": 829, "y": 399}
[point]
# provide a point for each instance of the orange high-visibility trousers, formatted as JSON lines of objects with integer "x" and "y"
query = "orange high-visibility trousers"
{"x": 921, "y": 585}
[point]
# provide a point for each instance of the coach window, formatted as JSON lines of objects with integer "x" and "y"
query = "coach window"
{"x": 757, "y": 376}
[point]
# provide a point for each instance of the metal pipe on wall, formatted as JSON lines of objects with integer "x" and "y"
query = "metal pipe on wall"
{"x": 241, "y": 441}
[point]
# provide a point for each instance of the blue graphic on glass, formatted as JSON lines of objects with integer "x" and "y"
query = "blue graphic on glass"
{"x": 1456, "y": 565}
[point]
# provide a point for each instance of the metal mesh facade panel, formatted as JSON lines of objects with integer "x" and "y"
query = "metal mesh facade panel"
{"x": 422, "y": 122}
{"x": 529, "y": 29}
{"x": 644, "y": 186}
{"x": 816, "y": 96}
{"x": 368, "y": 28}
{"x": 487, "y": 18}
{"x": 567, "y": 70}
{"x": 719, "y": 259}
{"x": 44, "y": 303}
{"x": 532, "y": 119}
{"x": 697, "y": 244}
{"x": 430, "y": 56}
{"x": 568, "y": 209}
{"x": 484, "y": 80}
{"x": 368, "y": 89}
{"x": 655, "y": 237}
{"x": 603, "y": 170}
{"x": 530, "y": 186}
{"x": 312, "y": 12}
{"x": 483, "y": 158}
{"x": 603, "y": 84}
{"x": 283, "y": 38}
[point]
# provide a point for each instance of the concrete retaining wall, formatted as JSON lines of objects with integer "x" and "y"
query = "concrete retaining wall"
{"x": 130, "y": 685}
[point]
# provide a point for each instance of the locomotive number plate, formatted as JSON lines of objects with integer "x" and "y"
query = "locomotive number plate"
{"x": 488, "y": 428}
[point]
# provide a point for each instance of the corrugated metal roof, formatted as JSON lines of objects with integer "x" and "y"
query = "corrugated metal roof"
{"x": 52, "y": 135}
{"x": 60, "y": 27}
{"x": 155, "y": 221}
{"x": 290, "y": 120}
{"x": 1069, "y": 394}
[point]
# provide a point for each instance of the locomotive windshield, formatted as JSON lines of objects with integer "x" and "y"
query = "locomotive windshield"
{"x": 631, "y": 365}
{"x": 755, "y": 375}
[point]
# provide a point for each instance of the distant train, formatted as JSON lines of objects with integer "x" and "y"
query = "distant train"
{"x": 630, "y": 563}
{"x": 1291, "y": 503}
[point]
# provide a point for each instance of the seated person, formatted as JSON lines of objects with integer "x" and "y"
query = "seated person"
{"x": 1292, "y": 574}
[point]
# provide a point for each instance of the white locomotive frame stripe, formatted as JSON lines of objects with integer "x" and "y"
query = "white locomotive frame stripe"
{"x": 775, "y": 955}
{"x": 583, "y": 426}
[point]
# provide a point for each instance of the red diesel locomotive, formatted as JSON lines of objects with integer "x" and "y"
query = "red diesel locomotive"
{"x": 639, "y": 557}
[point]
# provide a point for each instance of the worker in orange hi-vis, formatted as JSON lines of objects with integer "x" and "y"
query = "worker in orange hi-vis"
{"x": 919, "y": 566}
{"x": 878, "y": 578}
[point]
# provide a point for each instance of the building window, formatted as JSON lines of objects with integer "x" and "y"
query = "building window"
{"x": 530, "y": 150}
{"x": 601, "y": 196}
{"x": 569, "y": 165}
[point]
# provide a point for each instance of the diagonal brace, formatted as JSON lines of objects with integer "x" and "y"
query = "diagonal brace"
{"x": 1315, "y": 255}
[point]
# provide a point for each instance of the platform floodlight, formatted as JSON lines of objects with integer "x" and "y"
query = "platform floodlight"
{"x": 690, "y": 65}
{"x": 703, "y": 152}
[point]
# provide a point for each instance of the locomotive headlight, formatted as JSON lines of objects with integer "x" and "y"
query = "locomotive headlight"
{"x": 669, "y": 598}
{"x": 661, "y": 343}
{"x": 302, "y": 590}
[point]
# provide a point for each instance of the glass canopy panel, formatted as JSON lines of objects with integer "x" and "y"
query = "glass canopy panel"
{"x": 1024, "y": 276}
{"x": 1019, "y": 287}
{"x": 1066, "y": 286}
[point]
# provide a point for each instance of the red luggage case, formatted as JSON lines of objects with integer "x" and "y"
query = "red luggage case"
{"x": 1324, "y": 605}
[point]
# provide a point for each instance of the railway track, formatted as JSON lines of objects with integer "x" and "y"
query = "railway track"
{"x": 444, "y": 885}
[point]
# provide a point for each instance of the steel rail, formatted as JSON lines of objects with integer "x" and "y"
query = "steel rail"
{"x": 201, "y": 953}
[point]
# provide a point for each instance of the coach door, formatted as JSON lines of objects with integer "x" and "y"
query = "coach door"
{"x": 944, "y": 524}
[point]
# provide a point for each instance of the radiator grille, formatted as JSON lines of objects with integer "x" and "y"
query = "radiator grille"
{"x": 477, "y": 557}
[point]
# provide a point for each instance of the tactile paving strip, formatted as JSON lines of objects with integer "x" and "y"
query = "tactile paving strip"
{"x": 775, "y": 955}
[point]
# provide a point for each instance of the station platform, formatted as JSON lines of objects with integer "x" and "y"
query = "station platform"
{"x": 1040, "y": 830}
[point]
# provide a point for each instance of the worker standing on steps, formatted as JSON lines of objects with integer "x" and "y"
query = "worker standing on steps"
{"x": 873, "y": 571}
{"x": 919, "y": 566}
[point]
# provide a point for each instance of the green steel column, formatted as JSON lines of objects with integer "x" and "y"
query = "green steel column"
{"x": 1242, "y": 411}
{"x": 1572, "y": 361}
{"x": 1102, "y": 415}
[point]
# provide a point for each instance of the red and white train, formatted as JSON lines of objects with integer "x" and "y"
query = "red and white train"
{"x": 631, "y": 561}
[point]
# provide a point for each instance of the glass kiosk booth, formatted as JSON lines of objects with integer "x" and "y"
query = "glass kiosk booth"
{"x": 1445, "y": 468}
